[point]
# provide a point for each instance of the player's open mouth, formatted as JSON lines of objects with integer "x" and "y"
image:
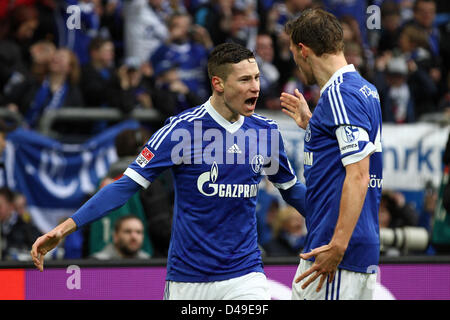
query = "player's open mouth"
{"x": 251, "y": 101}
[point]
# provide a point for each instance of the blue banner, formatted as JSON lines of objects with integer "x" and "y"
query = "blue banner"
{"x": 57, "y": 178}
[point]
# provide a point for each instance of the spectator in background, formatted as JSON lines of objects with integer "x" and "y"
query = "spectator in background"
{"x": 238, "y": 27}
{"x": 188, "y": 48}
{"x": 391, "y": 21}
{"x": 424, "y": 17}
{"x": 283, "y": 11}
{"x": 289, "y": 234}
{"x": 244, "y": 23}
{"x": 144, "y": 31}
{"x": 58, "y": 89}
{"x": 395, "y": 94}
{"x": 216, "y": 16}
{"x": 128, "y": 239}
{"x": 357, "y": 49}
{"x": 354, "y": 8}
{"x": 41, "y": 54}
{"x": 131, "y": 91}
{"x": 398, "y": 213}
{"x": 21, "y": 207}
{"x": 15, "y": 59}
{"x": 77, "y": 38}
{"x": 269, "y": 97}
{"x": 173, "y": 95}
{"x": 17, "y": 235}
{"x": 354, "y": 54}
{"x": 422, "y": 73}
{"x": 98, "y": 78}
{"x": 283, "y": 57}
{"x": 98, "y": 75}
{"x": 297, "y": 81}
{"x": 112, "y": 24}
{"x": 429, "y": 206}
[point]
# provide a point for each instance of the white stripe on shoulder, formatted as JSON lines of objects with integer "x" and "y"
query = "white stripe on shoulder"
{"x": 335, "y": 103}
{"x": 338, "y": 90}
{"x": 173, "y": 121}
{"x": 191, "y": 118}
{"x": 332, "y": 106}
{"x": 270, "y": 121}
{"x": 160, "y": 130}
{"x": 200, "y": 115}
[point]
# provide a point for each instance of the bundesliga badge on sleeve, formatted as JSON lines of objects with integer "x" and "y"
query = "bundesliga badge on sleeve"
{"x": 144, "y": 157}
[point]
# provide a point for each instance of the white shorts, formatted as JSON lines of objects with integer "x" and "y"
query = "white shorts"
{"x": 346, "y": 285}
{"x": 252, "y": 286}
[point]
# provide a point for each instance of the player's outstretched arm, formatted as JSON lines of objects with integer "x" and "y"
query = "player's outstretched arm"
{"x": 296, "y": 107}
{"x": 109, "y": 198}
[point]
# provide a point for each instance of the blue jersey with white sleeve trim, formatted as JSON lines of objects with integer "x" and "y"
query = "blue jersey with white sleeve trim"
{"x": 345, "y": 128}
{"x": 217, "y": 167}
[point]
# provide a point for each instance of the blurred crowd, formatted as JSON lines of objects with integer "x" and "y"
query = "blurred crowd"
{"x": 152, "y": 54}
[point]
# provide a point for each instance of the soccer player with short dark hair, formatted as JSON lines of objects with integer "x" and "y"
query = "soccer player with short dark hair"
{"x": 218, "y": 153}
{"x": 342, "y": 164}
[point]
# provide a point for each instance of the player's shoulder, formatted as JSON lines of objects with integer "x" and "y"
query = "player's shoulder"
{"x": 263, "y": 121}
{"x": 351, "y": 87}
{"x": 187, "y": 117}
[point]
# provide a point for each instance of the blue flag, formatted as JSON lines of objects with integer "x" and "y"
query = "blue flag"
{"x": 57, "y": 178}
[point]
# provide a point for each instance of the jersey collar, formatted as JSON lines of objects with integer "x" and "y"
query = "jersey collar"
{"x": 227, "y": 125}
{"x": 338, "y": 73}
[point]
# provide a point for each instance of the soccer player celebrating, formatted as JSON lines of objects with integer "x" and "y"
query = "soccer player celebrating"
{"x": 342, "y": 165}
{"x": 218, "y": 153}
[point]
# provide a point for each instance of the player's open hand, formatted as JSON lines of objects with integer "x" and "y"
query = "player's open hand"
{"x": 327, "y": 259}
{"x": 43, "y": 245}
{"x": 296, "y": 107}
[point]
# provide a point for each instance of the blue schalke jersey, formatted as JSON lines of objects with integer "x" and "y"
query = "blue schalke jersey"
{"x": 217, "y": 167}
{"x": 345, "y": 128}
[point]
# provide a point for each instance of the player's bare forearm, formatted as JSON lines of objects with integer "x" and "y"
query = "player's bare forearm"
{"x": 329, "y": 256}
{"x": 66, "y": 227}
{"x": 50, "y": 240}
{"x": 354, "y": 192}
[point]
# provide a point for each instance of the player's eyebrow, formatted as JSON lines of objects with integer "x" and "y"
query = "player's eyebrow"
{"x": 248, "y": 76}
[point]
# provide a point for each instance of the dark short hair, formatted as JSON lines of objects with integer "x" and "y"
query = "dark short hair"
{"x": 120, "y": 220}
{"x": 224, "y": 55}
{"x": 317, "y": 29}
{"x": 98, "y": 42}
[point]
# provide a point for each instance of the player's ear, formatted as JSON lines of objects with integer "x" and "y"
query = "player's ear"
{"x": 304, "y": 50}
{"x": 217, "y": 84}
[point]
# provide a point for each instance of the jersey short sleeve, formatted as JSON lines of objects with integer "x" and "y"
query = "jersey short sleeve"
{"x": 350, "y": 121}
{"x": 354, "y": 144}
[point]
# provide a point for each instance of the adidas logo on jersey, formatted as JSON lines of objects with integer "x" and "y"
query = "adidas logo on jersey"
{"x": 234, "y": 149}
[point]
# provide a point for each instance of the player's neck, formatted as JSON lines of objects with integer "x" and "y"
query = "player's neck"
{"x": 218, "y": 103}
{"x": 326, "y": 66}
